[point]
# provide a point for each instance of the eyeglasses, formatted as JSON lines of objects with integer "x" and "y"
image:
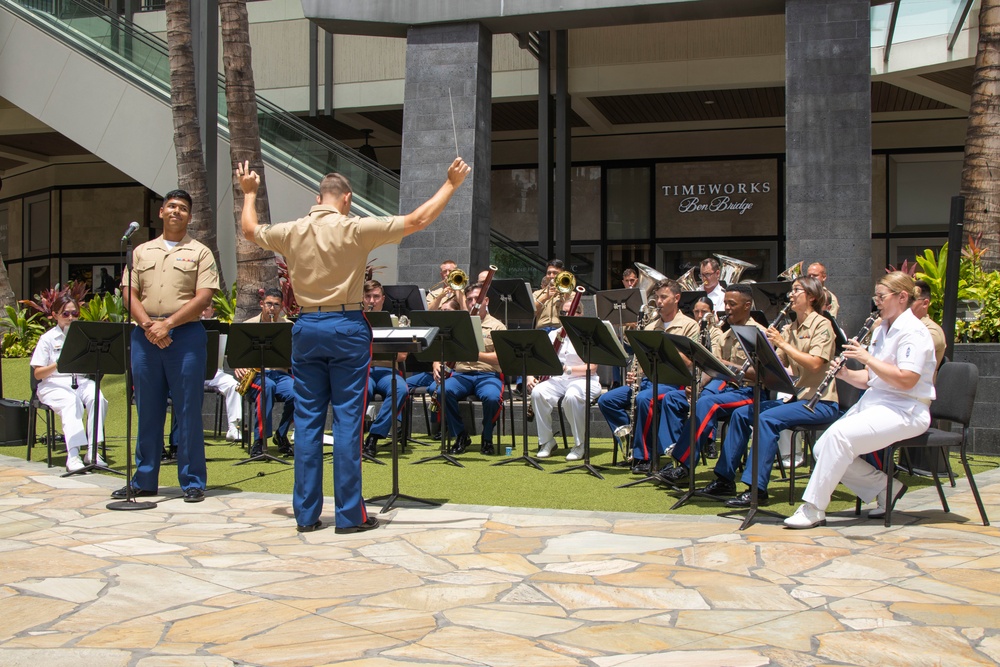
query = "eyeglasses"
{"x": 796, "y": 290}
{"x": 879, "y": 298}
{"x": 70, "y": 313}
{"x": 271, "y": 305}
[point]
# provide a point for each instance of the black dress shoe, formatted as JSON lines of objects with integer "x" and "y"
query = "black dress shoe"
{"x": 371, "y": 445}
{"x": 310, "y": 528}
{"x": 462, "y": 442}
{"x": 370, "y": 524}
{"x": 720, "y": 487}
{"x": 674, "y": 475}
{"x": 640, "y": 466}
{"x": 257, "y": 449}
{"x": 712, "y": 452}
{"x": 194, "y": 495}
{"x": 122, "y": 493}
{"x": 487, "y": 448}
{"x": 284, "y": 445}
{"x": 743, "y": 500}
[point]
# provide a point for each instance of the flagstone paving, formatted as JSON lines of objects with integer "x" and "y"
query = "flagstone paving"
{"x": 230, "y": 582}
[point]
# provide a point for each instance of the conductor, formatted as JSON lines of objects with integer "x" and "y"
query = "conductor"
{"x": 331, "y": 341}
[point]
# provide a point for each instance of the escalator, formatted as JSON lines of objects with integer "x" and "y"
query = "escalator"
{"x": 104, "y": 83}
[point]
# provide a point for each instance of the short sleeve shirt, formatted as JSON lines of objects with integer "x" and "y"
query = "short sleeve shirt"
{"x": 47, "y": 351}
{"x": 167, "y": 278}
{"x": 548, "y": 316}
{"x": 433, "y": 294}
{"x": 490, "y": 324}
{"x": 937, "y": 335}
{"x": 909, "y": 346}
{"x": 832, "y": 304}
{"x": 326, "y": 252}
{"x": 813, "y": 336}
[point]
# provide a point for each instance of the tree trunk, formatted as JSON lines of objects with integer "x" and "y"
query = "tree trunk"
{"x": 7, "y": 297}
{"x": 981, "y": 171}
{"x": 255, "y": 267}
{"x": 191, "y": 173}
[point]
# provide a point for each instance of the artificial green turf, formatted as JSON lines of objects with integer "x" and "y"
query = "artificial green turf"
{"x": 477, "y": 483}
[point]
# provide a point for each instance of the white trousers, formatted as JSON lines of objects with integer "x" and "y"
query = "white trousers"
{"x": 227, "y": 384}
{"x": 545, "y": 396}
{"x": 70, "y": 404}
{"x": 875, "y": 422}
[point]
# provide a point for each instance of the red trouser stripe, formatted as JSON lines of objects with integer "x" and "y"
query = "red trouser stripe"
{"x": 649, "y": 422}
{"x": 708, "y": 418}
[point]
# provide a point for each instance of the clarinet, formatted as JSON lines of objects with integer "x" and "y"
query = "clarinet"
{"x": 783, "y": 314}
{"x": 838, "y": 363}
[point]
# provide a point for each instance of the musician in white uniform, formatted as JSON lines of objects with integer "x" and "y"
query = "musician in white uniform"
{"x": 572, "y": 384}
{"x": 898, "y": 375}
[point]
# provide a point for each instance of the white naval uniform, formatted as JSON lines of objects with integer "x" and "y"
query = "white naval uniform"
{"x": 884, "y": 415}
{"x": 545, "y": 396}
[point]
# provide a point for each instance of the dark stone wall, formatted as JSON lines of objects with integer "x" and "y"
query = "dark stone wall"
{"x": 828, "y": 145}
{"x": 985, "y": 438}
{"x": 441, "y": 59}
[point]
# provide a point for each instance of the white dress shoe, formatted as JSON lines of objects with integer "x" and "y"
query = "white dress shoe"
{"x": 100, "y": 461}
{"x": 74, "y": 463}
{"x": 233, "y": 434}
{"x": 545, "y": 451}
{"x": 879, "y": 512}
{"x": 575, "y": 454}
{"x": 806, "y": 516}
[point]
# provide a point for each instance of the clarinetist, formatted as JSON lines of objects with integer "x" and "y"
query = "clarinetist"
{"x": 898, "y": 375}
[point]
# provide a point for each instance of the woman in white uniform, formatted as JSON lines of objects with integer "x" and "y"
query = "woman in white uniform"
{"x": 68, "y": 395}
{"x": 899, "y": 378}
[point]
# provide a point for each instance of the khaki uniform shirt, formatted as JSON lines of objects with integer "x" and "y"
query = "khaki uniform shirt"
{"x": 433, "y": 294}
{"x": 832, "y": 304}
{"x": 937, "y": 335}
{"x": 731, "y": 350}
{"x": 551, "y": 309}
{"x": 166, "y": 279}
{"x": 682, "y": 325}
{"x": 490, "y": 324}
{"x": 715, "y": 338}
{"x": 326, "y": 252}
{"x": 813, "y": 336}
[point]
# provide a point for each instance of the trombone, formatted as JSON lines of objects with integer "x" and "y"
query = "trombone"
{"x": 457, "y": 280}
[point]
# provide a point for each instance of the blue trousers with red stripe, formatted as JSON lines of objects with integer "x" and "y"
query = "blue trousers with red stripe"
{"x": 280, "y": 386}
{"x": 644, "y": 408}
{"x": 488, "y": 388}
{"x": 711, "y": 405}
{"x": 330, "y": 357}
{"x": 380, "y": 383}
{"x": 674, "y": 409}
{"x": 775, "y": 417}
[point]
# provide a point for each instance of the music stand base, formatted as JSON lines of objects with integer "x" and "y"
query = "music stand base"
{"x": 650, "y": 478}
{"x": 91, "y": 467}
{"x": 447, "y": 457}
{"x": 750, "y": 514}
{"x": 583, "y": 466}
{"x": 689, "y": 494}
{"x": 392, "y": 498}
{"x": 125, "y": 505}
{"x": 262, "y": 457}
{"x": 526, "y": 459}
{"x": 369, "y": 457}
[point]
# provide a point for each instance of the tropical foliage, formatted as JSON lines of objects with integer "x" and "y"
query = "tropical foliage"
{"x": 43, "y": 301}
{"x": 225, "y": 305}
{"x": 107, "y": 308}
{"x": 21, "y": 330}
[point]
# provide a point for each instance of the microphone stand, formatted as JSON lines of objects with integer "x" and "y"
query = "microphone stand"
{"x": 130, "y": 503}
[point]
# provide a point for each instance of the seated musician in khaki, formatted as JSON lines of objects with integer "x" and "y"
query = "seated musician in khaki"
{"x": 482, "y": 378}
{"x": 549, "y": 300}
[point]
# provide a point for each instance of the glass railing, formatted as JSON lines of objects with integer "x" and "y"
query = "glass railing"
{"x": 286, "y": 141}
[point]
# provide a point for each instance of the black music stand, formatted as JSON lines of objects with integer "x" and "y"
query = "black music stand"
{"x": 527, "y": 352}
{"x": 619, "y": 306}
{"x": 661, "y": 361}
{"x": 458, "y": 339}
{"x": 770, "y": 298}
{"x": 94, "y": 348}
{"x": 770, "y": 374}
{"x": 380, "y": 319}
{"x": 518, "y": 305}
{"x": 688, "y": 299}
{"x": 704, "y": 362}
{"x": 260, "y": 345}
{"x": 387, "y": 343}
{"x": 596, "y": 343}
{"x": 402, "y": 299}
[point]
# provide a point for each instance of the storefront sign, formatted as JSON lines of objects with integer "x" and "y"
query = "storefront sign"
{"x": 734, "y": 197}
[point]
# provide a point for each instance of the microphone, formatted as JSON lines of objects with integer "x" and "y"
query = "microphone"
{"x": 133, "y": 227}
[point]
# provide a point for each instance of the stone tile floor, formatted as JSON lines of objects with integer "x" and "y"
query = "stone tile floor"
{"x": 230, "y": 582}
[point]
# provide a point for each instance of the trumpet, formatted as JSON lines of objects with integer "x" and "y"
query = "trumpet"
{"x": 457, "y": 280}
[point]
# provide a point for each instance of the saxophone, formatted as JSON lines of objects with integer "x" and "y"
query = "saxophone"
{"x": 246, "y": 381}
{"x": 626, "y": 430}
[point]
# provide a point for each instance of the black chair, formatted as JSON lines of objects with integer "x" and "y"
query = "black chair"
{"x": 956, "y": 395}
{"x": 35, "y": 406}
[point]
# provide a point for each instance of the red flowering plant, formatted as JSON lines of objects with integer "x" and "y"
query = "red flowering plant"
{"x": 43, "y": 301}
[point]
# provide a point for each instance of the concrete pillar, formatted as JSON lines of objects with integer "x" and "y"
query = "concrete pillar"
{"x": 455, "y": 59}
{"x": 828, "y": 146}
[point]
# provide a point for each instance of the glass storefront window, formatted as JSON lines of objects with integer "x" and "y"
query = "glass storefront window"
{"x": 628, "y": 203}
{"x": 623, "y": 256}
{"x": 920, "y": 190}
{"x": 515, "y": 203}
{"x": 675, "y": 259}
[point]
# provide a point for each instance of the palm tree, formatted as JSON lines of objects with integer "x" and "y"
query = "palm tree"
{"x": 191, "y": 173}
{"x": 981, "y": 171}
{"x": 255, "y": 267}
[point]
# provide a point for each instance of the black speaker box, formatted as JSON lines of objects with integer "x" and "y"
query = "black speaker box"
{"x": 13, "y": 422}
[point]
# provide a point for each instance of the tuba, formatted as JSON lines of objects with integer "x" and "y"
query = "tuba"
{"x": 688, "y": 282}
{"x": 732, "y": 268}
{"x": 792, "y": 272}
